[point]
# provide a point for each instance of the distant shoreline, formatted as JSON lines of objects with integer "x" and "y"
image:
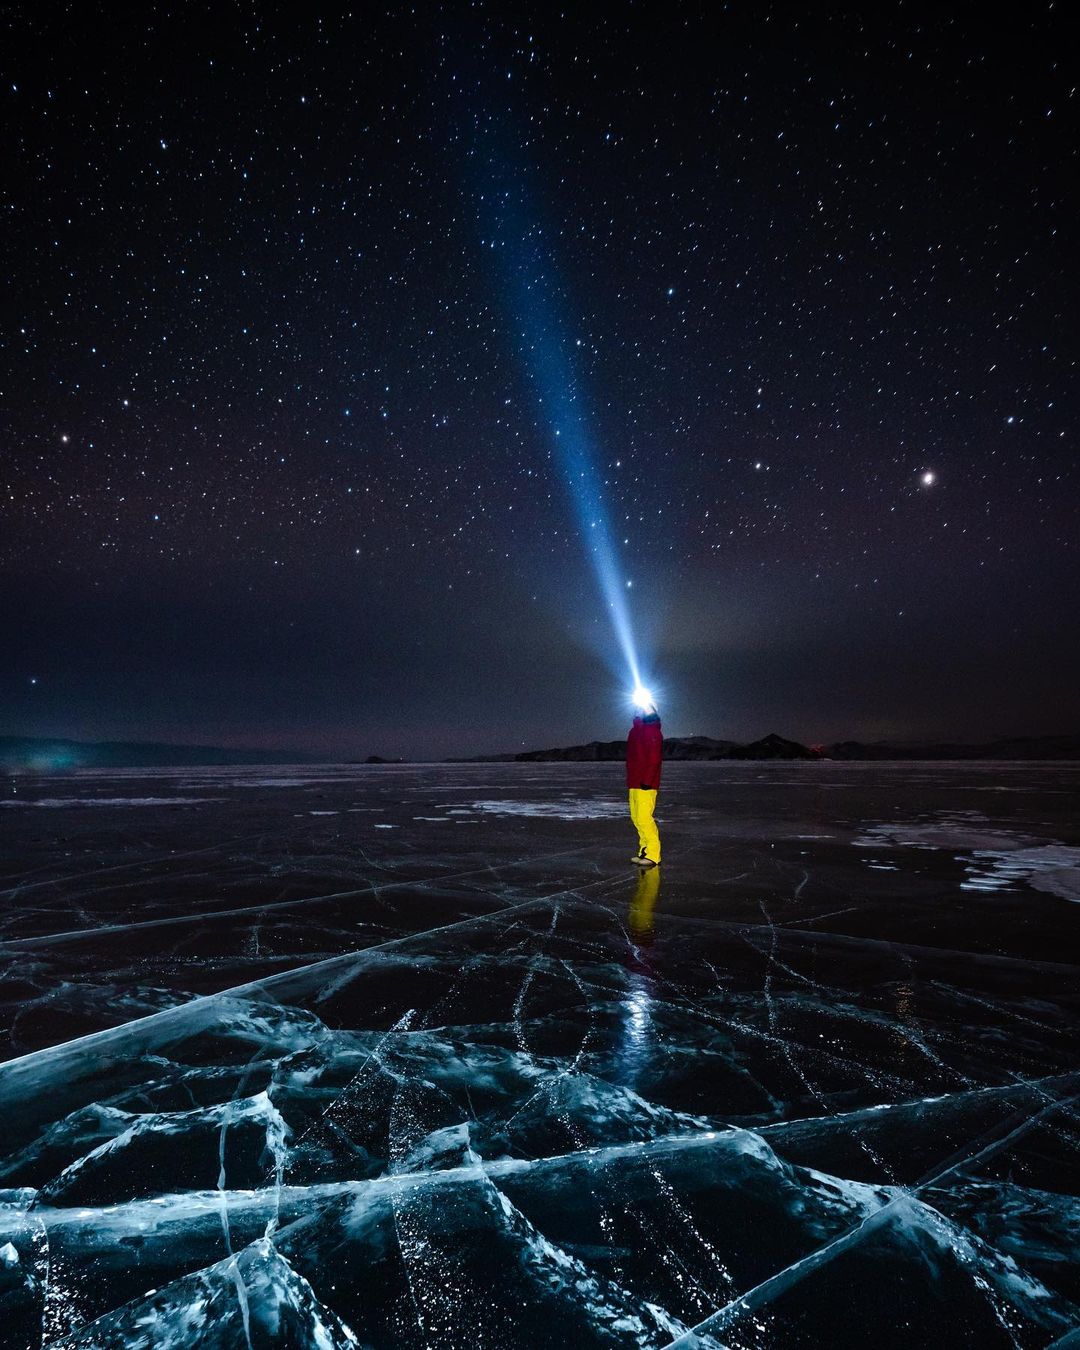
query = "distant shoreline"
{"x": 42, "y": 755}
{"x": 773, "y": 747}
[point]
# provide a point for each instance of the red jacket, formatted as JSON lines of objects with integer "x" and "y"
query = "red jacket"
{"x": 644, "y": 752}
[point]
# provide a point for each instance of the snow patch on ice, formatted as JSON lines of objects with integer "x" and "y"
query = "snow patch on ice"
{"x": 1053, "y": 868}
{"x": 958, "y": 833}
{"x": 109, "y": 801}
{"x": 996, "y": 859}
{"x": 575, "y": 808}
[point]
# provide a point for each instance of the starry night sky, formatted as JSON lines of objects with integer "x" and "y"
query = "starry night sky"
{"x": 276, "y": 471}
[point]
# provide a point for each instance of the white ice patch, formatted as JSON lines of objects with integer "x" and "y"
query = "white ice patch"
{"x": 568, "y": 808}
{"x": 957, "y": 833}
{"x": 1054, "y": 868}
{"x": 109, "y": 801}
{"x": 995, "y": 860}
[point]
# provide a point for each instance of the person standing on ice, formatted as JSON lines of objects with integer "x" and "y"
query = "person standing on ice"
{"x": 644, "y": 754}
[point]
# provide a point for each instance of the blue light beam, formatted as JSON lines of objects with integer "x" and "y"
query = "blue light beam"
{"x": 528, "y": 271}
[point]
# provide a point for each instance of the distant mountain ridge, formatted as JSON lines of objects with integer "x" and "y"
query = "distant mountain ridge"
{"x": 40, "y": 754}
{"x": 778, "y": 747}
{"x": 675, "y": 748}
{"x": 1006, "y": 747}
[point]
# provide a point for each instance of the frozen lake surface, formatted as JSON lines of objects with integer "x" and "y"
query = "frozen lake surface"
{"x": 408, "y": 1056}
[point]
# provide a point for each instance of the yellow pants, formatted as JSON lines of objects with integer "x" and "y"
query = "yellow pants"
{"x": 642, "y": 806}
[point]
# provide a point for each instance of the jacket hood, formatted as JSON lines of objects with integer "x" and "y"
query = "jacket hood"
{"x": 646, "y": 719}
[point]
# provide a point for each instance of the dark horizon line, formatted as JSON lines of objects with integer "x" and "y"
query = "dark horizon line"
{"x": 216, "y": 755}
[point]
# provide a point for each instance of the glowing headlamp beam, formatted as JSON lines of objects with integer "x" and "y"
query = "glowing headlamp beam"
{"x": 547, "y": 355}
{"x": 558, "y": 386}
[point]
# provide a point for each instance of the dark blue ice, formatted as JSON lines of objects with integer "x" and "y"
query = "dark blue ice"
{"x": 405, "y": 1056}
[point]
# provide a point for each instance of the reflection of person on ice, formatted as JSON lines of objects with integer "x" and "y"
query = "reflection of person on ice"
{"x": 642, "y": 903}
{"x": 644, "y": 753}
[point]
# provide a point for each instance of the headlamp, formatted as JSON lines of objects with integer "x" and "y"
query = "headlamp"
{"x": 643, "y": 699}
